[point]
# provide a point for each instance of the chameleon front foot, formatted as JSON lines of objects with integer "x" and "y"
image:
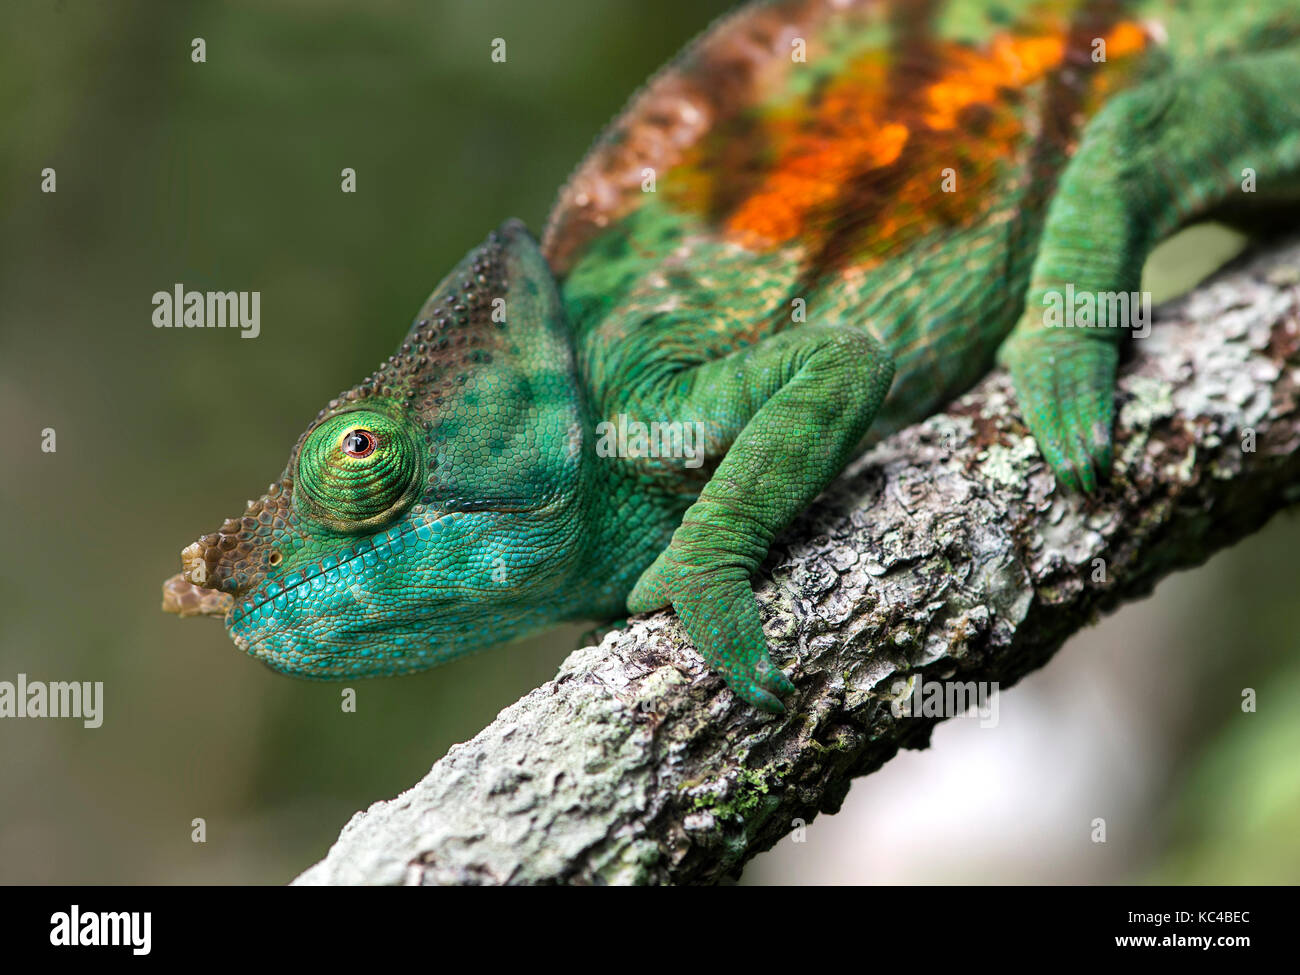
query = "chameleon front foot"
{"x": 720, "y": 614}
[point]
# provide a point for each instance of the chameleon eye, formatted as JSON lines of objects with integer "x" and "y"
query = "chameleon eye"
{"x": 357, "y": 471}
{"x": 359, "y": 443}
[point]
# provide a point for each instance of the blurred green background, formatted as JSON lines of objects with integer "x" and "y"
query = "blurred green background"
{"x": 225, "y": 176}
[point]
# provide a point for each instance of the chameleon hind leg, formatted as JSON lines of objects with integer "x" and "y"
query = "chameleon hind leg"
{"x": 1153, "y": 159}
{"x": 793, "y": 408}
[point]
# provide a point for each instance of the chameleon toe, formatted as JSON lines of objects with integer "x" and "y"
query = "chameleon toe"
{"x": 761, "y": 699}
{"x": 771, "y": 678}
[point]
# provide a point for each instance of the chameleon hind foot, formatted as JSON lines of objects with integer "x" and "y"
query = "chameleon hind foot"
{"x": 1065, "y": 386}
{"x": 1153, "y": 159}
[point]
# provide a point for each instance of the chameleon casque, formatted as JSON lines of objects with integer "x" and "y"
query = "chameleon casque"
{"x": 915, "y": 176}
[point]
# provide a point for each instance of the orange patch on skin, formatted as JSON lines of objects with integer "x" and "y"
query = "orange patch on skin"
{"x": 811, "y": 177}
{"x": 817, "y": 153}
{"x": 819, "y": 149}
{"x": 1125, "y": 38}
{"x": 848, "y": 137}
{"x": 1010, "y": 62}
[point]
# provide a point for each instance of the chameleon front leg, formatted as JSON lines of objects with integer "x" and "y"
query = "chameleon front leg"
{"x": 1152, "y": 160}
{"x": 794, "y": 408}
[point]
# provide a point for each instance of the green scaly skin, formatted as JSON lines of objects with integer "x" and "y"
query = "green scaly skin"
{"x": 796, "y": 278}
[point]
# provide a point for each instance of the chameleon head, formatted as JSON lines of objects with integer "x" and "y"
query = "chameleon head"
{"x": 429, "y": 511}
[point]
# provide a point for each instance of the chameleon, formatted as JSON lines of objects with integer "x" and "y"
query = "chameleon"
{"x": 820, "y": 222}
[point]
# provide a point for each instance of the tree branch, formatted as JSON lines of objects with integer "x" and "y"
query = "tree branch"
{"x": 943, "y": 552}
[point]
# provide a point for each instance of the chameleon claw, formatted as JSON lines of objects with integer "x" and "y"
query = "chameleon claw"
{"x": 763, "y": 700}
{"x": 771, "y": 678}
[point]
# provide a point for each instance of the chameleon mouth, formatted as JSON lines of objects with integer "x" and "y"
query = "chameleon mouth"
{"x": 191, "y": 592}
{"x": 375, "y": 550}
{"x": 381, "y": 546}
{"x": 184, "y": 598}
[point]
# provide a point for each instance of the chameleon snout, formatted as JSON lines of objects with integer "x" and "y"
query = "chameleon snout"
{"x": 193, "y": 592}
{"x": 224, "y": 565}
{"x": 182, "y": 597}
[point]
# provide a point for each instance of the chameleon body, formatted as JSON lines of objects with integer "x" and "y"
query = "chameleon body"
{"x": 822, "y": 219}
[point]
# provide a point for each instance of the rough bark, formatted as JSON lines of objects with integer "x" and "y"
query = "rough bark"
{"x": 945, "y": 552}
